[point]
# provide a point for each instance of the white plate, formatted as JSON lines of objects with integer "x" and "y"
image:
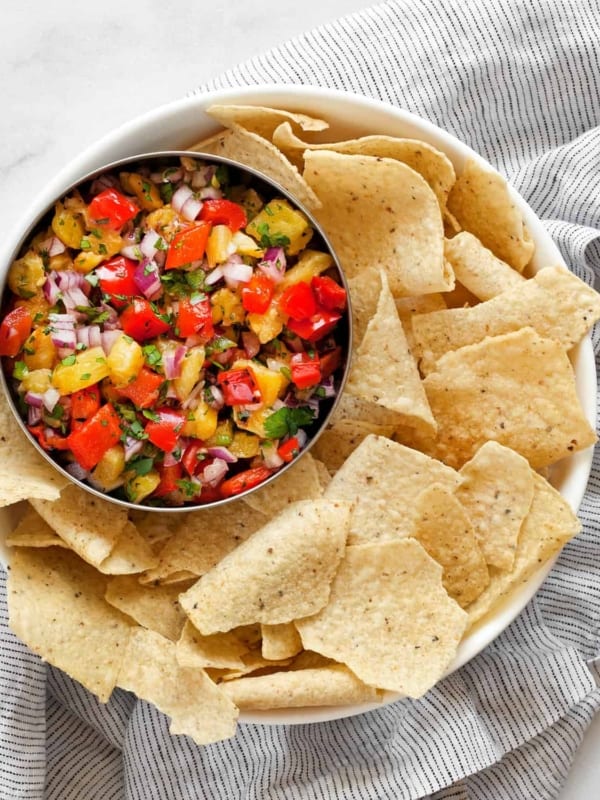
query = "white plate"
{"x": 180, "y": 125}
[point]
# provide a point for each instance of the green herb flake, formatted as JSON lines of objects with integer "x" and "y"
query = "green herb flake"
{"x": 86, "y": 376}
{"x": 68, "y": 361}
{"x": 85, "y": 244}
{"x": 20, "y": 370}
{"x": 141, "y": 466}
{"x": 287, "y": 421}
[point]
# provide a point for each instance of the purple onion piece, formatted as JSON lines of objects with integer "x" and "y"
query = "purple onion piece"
{"x": 223, "y": 453}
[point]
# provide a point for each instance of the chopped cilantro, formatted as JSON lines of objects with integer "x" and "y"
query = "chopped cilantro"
{"x": 86, "y": 376}
{"x": 152, "y": 354}
{"x": 151, "y": 415}
{"x": 189, "y": 488}
{"x": 94, "y": 315}
{"x": 141, "y": 466}
{"x": 20, "y": 370}
{"x": 85, "y": 244}
{"x": 269, "y": 239}
{"x": 287, "y": 421}
{"x": 286, "y": 372}
{"x": 68, "y": 361}
{"x": 219, "y": 344}
{"x": 166, "y": 192}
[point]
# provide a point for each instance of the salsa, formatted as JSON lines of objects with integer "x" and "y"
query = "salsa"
{"x": 174, "y": 333}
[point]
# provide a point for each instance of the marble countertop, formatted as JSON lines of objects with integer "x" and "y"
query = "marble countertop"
{"x": 71, "y": 72}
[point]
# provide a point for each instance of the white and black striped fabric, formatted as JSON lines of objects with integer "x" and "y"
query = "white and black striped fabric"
{"x": 520, "y": 82}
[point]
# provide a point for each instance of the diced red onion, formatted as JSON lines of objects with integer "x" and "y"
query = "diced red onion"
{"x": 180, "y": 196}
{"x": 62, "y": 330}
{"x": 194, "y": 340}
{"x": 271, "y": 457}
{"x": 148, "y": 243}
{"x": 83, "y": 335}
{"x": 147, "y": 278}
{"x": 251, "y": 343}
{"x": 215, "y": 472}
{"x": 95, "y": 336}
{"x": 328, "y": 387}
{"x": 174, "y": 457}
{"x": 190, "y": 401}
{"x": 214, "y": 276}
{"x": 273, "y": 264}
{"x": 53, "y": 246}
{"x": 302, "y": 437}
{"x": 34, "y": 415}
{"x": 132, "y": 251}
{"x": 313, "y": 402}
{"x": 170, "y": 175}
{"x": 191, "y": 208}
{"x": 222, "y": 452}
{"x": 276, "y": 364}
{"x": 112, "y": 322}
{"x": 210, "y": 193}
{"x": 34, "y": 399}
{"x": 216, "y": 399}
{"x": 172, "y": 360}
{"x": 51, "y": 290}
{"x": 132, "y": 447}
{"x": 63, "y": 352}
{"x": 50, "y": 398}
{"x": 108, "y": 340}
{"x": 77, "y": 471}
{"x": 73, "y": 287}
{"x": 235, "y": 271}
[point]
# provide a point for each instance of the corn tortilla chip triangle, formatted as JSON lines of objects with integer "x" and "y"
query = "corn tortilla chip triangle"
{"x": 517, "y": 389}
{"x": 196, "y": 706}
{"x": 389, "y": 619}
{"x": 131, "y": 553}
{"x": 341, "y": 438}
{"x": 56, "y": 606}
{"x": 263, "y": 120}
{"x": 444, "y": 529}
{"x": 299, "y": 482}
{"x": 496, "y": 491}
{"x": 378, "y": 211}
{"x": 153, "y": 607}
{"x": 282, "y": 572}
{"x": 280, "y": 641}
{"x": 32, "y": 531}
{"x": 477, "y": 268}
{"x": 219, "y": 650}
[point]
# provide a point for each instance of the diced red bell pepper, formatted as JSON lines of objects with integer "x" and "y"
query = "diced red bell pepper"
{"x": 188, "y": 245}
{"x": 85, "y": 402}
{"x": 306, "y": 370}
{"x": 289, "y": 450}
{"x": 14, "y": 330}
{"x": 298, "y": 301}
{"x": 144, "y": 390}
{"x": 190, "y": 460}
{"x": 195, "y": 317}
{"x": 315, "y": 327}
{"x": 164, "y": 432}
{"x": 239, "y": 387}
{"x": 245, "y": 480}
{"x": 329, "y": 294}
{"x": 224, "y": 212}
{"x": 209, "y": 494}
{"x": 168, "y": 479}
{"x": 141, "y": 321}
{"x": 257, "y": 293}
{"x": 330, "y": 361}
{"x": 112, "y": 208}
{"x": 47, "y": 440}
{"x": 97, "y": 435}
{"x": 117, "y": 281}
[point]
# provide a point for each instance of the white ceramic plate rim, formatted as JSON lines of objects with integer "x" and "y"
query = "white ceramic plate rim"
{"x": 180, "y": 124}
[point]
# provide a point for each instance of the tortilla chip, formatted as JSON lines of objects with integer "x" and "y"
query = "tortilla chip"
{"x": 196, "y": 706}
{"x": 482, "y": 204}
{"x": 444, "y": 529}
{"x": 389, "y": 619}
{"x": 90, "y": 526}
{"x": 434, "y": 166}
{"x": 377, "y": 211}
{"x": 325, "y": 686}
{"x": 382, "y": 480}
{"x": 24, "y": 473}
{"x": 407, "y": 307}
{"x": 353, "y": 408}
{"x": 299, "y": 482}
{"x": 323, "y": 473}
{"x": 156, "y": 528}
{"x": 555, "y": 302}
{"x": 32, "y": 531}
{"x": 383, "y": 368}
{"x": 281, "y": 573}
{"x": 56, "y": 606}
{"x": 259, "y": 154}
{"x": 548, "y": 526}
{"x": 517, "y": 389}
{"x": 280, "y": 641}
{"x": 202, "y": 539}
{"x": 496, "y": 491}
{"x": 460, "y": 297}
{"x": 219, "y": 650}
{"x": 365, "y": 291}
{"x": 131, "y": 554}
{"x": 477, "y": 268}
{"x": 153, "y": 607}
{"x": 341, "y": 438}
{"x": 263, "y": 120}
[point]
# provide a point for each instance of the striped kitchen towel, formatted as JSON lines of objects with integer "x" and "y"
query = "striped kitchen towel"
{"x": 519, "y": 82}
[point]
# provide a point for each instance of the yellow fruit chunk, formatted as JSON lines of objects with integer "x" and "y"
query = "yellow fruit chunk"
{"x": 80, "y": 371}
{"x": 125, "y": 360}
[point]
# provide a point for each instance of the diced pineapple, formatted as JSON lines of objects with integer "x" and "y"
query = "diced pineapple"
{"x": 227, "y": 307}
{"x": 219, "y": 245}
{"x": 38, "y": 381}
{"x": 272, "y": 384}
{"x": 146, "y": 192}
{"x": 26, "y": 275}
{"x": 68, "y": 225}
{"x": 268, "y": 325}
{"x": 60, "y": 262}
{"x": 125, "y": 360}
{"x": 97, "y": 245}
{"x": 141, "y": 486}
{"x": 38, "y": 307}
{"x": 82, "y": 370}
{"x": 201, "y": 423}
{"x": 246, "y": 246}
{"x": 280, "y": 225}
{"x": 87, "y": 261}
{"x": 108, "y": 473}
{"x": 164, "y": 221}
{"x": 310, "y": 263}
{"x": 191, "y": 370}
{"x": 223, "y": 435}
{"x": 244, "y": 445}
{"x": 253, "y": 422}
{"x": 39, "y": 351}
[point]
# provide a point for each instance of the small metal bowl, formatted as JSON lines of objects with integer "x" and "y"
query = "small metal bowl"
{"x": 268, "y": 189}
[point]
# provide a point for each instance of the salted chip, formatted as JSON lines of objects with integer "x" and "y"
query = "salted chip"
{"x": 131, "y": 554}
{"x": 555, "y": 302}
{"x": 90, "y": 526}
{"x": 354, "y": 408}
{"x": 32, "y": 531}
{"x": 365, "y": 290}
{"x": 517, "y": 389}
{"x": 382, "y": 479}
{"x": 496, "y": 491}
{"x": 477, "y": 268}
{"x": 156, "y": 528}
{"x": 280, "y": 641}
{"x": 56, "y": 606}
{"x": 384, "y": 370}
{"x": 196, "y": 706}
{"x": 380, "y": 212}
{"x": 434, "y": 166}
{"x": 341, "y": 438}
{"x": 407, "y": 307}
{"x": 324, "y": 474}
{"x": 252, "y": 150}
{"x": 444, "y": 529}
{"x": 548, "y": 526}
{"x": 263, "y": 120}
{"x": 389, "y": 618}
{"x": 281, "y": 573}
{"x": 219, "y": 650}
{"x": 325, "y": 686}
{"x": 153, "y": 607}
{"x": 23, "y": 472}
{"x": 299, "y": 482}
{"x": 481, "y": 202}
{"x": 202, "y": 539}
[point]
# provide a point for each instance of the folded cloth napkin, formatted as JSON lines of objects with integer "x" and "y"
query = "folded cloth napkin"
{"x": 518, "y": 81}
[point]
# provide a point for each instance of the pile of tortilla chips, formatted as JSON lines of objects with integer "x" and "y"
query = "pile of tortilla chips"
{"x": 359, "y": 570}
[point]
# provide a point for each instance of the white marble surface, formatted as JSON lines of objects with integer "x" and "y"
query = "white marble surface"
{"x": 71, "y": 71}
